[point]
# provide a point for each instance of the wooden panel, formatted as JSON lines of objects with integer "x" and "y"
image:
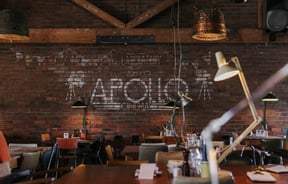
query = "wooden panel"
{"x": 150, "y": 13}
{"x": 100, "y": 13}
{"x": 161, "y": 35}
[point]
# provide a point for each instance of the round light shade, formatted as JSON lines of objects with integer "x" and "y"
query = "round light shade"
{"x": 13, "y": 25}
{"x": 277, "y": 20}
{"x": 225, "y": 71}
{"x": 209, "y": 25}
{"x": 270, "y": 98}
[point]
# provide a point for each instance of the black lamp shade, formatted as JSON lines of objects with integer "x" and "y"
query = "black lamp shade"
{"x": 13, "y": 25}
{"x": 171, "y": 105}
{"x": 270, "y": 98}
{"x": 79, "y": 104}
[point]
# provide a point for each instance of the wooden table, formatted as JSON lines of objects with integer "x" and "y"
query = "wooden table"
{"x": 257, "y": 140}
{"x": 95, "y": 174}
{"x": 240, "y": 176}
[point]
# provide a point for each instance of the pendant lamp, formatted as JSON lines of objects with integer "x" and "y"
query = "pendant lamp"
{"x": 209, "y": 25}
{"x": 13, "y": 25}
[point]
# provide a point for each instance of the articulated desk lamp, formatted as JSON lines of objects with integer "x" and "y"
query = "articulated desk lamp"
{"x": 225, "y": 71}
{"x": 180, "y": 102}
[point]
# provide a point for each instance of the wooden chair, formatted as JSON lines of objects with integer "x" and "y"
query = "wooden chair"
{"x": 67, "y": 148}
{"x": 26, "y": 145}
{"x": 147, "y": 151}
{"x": 46, "y": 140}
{"x": 111, "y": 163}
{"x": 162, "y": 158}
{"x": 45, "y": 137}
{"x": 109, "y": 152}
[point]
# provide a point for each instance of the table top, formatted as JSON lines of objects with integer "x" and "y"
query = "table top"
{"x": 240, "y": 176}
{"x": 95, "y": 174}
{"x": 265, "y": 137}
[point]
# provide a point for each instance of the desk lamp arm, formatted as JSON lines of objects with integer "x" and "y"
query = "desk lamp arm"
{"x": 257, "y": 119}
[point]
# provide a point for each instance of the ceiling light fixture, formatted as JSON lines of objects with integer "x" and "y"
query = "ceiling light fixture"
{"x": 13, "y": 25}
{"x": 209, "y": 25}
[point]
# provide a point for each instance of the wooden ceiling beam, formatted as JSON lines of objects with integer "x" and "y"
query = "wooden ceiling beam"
{"x": 148, "y": 14}
{"x": 100, "y": 13}
{"x": 161, "y": 35}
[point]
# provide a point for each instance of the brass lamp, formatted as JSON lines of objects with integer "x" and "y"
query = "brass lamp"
{"x": 13, "y": 25}
{"x": 215, "y": 125}
{"x": 224, "y": 72}
{"x": 221, "y": 62}
{"x": 209, "y": 25}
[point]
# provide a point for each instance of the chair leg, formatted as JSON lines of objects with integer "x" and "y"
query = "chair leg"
{"x": 57, "y": 166}
{"x": 100, "y": 160}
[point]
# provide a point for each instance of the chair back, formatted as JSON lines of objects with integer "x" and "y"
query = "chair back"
{"x": 67, "y": 148}
{"x": 48, "y": 158}
{"x": 109, "y": 152}
{"x": 269, "y": 145}
{"x": 45, "y": 137}
{"x": 32, "y": 145}
{"x": 30, "y": 160}
{"x": 111, "y": 163}
{"x": 67, "y": 143}
{"x": 147, "y": 151}
{"x": 162, "y": 158}
{"x": 272, "y": 143}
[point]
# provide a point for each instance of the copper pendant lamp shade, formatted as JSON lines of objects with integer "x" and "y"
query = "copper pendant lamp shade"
{"x": 13, "y": 25}
{"x": 209, "y": 25}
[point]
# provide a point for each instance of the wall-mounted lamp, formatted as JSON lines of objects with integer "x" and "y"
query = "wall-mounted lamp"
{"x": 172, "y": 104}
{"x": 13, "y": 25}
{"x": 182, "y": 101}
{"x": 209, "y": 25}
{"x": 269, "y": 98}
{"x": 80, "y": 104}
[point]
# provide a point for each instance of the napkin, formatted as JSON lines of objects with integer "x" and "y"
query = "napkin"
{"x": 260, "y": 176}
{"x": 278, "y": 169}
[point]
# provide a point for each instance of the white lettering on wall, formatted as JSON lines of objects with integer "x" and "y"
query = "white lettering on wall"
{"x": 75, "y": 79}
{"x": 134, "y": 87}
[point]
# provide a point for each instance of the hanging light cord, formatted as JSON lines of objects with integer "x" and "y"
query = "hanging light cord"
{"x": 180, "y": 46}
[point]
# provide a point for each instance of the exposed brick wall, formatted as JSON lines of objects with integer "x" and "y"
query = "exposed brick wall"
{"x": 129, "y": 83}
